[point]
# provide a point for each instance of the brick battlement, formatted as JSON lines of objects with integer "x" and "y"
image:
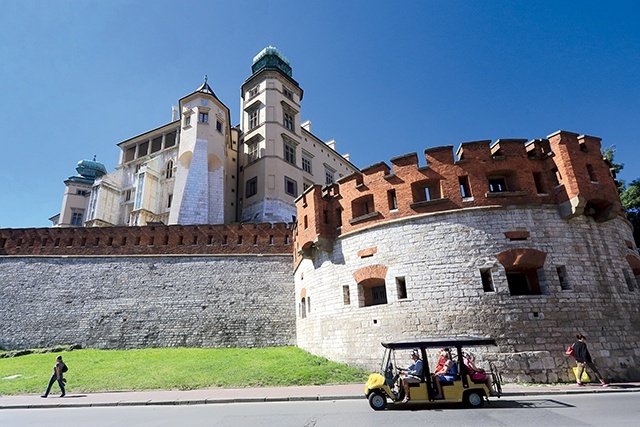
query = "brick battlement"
{"x": 234, "y": 239}
{"x": 565, "y": 169}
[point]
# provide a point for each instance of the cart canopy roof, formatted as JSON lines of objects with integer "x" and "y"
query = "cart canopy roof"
{"x": 439, "y": 342}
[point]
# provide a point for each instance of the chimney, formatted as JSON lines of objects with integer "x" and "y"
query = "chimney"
{"x": 175, "y": 113}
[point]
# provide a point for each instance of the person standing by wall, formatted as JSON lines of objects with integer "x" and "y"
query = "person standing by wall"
{"x": 58, "y": 370}
{"x": 583, "y": 359}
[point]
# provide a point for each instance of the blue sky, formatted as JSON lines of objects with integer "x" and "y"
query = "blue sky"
{"x": 382, "y": 78}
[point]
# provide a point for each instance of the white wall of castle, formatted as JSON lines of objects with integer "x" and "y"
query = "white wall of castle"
{"x": 440, "y": 256}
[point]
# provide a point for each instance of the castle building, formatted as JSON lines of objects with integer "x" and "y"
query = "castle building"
{"x": 77, "y": 190}
{"x": 199, "y": 169}
{"x": 523, "y": 241}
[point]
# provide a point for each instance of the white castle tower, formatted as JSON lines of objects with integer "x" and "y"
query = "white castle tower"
{"x": 204, "y": 192}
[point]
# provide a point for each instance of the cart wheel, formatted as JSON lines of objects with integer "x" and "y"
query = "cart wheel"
{"x": 377, "y": 401}
{"x": 474, "y": 399}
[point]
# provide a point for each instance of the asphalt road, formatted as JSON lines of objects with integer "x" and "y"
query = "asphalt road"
{"x": 610, "y": 409}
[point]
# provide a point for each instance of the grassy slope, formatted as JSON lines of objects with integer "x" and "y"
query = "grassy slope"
{"x": 173, "y": 368}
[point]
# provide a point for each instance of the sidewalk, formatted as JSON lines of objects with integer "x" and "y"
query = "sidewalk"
{"x": 264, "y": 394}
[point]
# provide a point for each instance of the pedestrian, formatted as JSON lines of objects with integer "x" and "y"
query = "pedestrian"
{"x": 583, "y": 359}
{"x": 58, "y": 370}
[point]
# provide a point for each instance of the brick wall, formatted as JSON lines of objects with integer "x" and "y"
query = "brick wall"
{"x": 567, "y": 171}
{"x": 247, "y": 238}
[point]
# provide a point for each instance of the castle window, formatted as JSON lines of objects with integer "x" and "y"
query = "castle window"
{"x": 401, "y": 287}
{"x": 290, "y": 186}
{"x": 254, "y": 153}
{"x": 346, "y": 295}
{"x": 170, "y": 139}
{"x": 127, "y": 195}
{"x": 143, "y": 149}
{"x": 537, "y": 179}
{"x": 203, "y": 117}
{"x": 592, "y": 173}
{"x": 252, "y": 187}
{"x": 363, "y": 206}
{"x": 253, "y": 91}
{"x": 289, "y": 121}
{"x": 218, "y": 126}
{"x": 328, "y": 177}
{"x": 393, "y": 200}
{"x": 339, "y": 217}
{"x": 303, "y": 308}
{"x": 426, "y": 191}
{"x": 156, "y": 144}
{"x": 306, "y": 222}
{"x": 169, "y": 170}
{"x": 287, "y": 93}
{"x": 130, "y": 154}
{"x": 253, "y": 118}
{"x": 556, "y": 176}
{"x": 487, "y": 280}
{"x": 627, "y": 278}
{"x": 374, "y": 292}
{"x": 524, "y": 282}
{"x": 465, "y": 189}
{"x": 271, "y": 240}
{"x": 563, "y": 277}
{"x": 306, "y": 163}
{"x": 187, "y": 120}
{"x": 169, "y": 200}
{"x": 76, "y": 218}
{"x": 497, "y": 184}
{"x": 289, "y": 152}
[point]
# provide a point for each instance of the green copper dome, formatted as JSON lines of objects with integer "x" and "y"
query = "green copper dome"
{"x": 270, "y": 58}
{"x": 88, "y": 171}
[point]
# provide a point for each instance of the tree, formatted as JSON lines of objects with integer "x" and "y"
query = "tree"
{"x": 630, "y": 199}
{"x": 608, "y": 154}
{"x": 629, "y": 195}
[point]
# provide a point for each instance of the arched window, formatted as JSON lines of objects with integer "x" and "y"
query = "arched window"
{"x": 169, "y": 170}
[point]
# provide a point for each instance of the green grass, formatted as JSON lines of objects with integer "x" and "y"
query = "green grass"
{"x": 174, "y": 368}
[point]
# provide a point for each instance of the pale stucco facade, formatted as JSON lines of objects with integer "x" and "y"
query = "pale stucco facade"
{"x": 200, "y": 169}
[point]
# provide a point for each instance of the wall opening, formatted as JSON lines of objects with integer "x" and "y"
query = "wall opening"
{"x": 346, "y": 295}
{"x": 487, "y": 280}
{"x": 373, "y": 291}
{"x": 565, "y": 285}
{"x": 401, "y": 287}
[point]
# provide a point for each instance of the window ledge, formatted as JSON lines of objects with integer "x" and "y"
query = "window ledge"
{"x": 363, "y": 218}
{"x": 506, "y": 194}
{"x": 429, "y": 202}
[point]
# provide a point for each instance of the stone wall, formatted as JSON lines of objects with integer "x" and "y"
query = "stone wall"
{"x": 116, "y": 302}
{"x": 440, "y": 257}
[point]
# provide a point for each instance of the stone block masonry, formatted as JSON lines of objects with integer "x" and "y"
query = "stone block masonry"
{"x": 154, "y": 286}
{"x": 122, "y": 302}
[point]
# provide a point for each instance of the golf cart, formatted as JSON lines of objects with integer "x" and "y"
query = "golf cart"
{"x": 386, "y": 386}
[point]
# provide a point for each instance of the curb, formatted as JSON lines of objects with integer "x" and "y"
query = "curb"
{"x": 286, "y": 399}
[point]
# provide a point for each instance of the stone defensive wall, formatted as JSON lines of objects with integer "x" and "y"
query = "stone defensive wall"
{"x": 154, "y": 286}
{"x": 495, "y": 247}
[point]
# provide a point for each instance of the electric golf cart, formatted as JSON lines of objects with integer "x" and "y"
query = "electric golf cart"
{"x": 385, "y": 387}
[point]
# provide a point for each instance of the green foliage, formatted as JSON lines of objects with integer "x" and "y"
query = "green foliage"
{"x": 608, "y": 153}
{"x": 630, "y": 198}
{"x": 174, "y": 368}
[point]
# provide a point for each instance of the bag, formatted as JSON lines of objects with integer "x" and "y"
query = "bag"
{"x": 64, "y": 367}
{"x": 569, "y": 351}
{"x": 585, "y": 377}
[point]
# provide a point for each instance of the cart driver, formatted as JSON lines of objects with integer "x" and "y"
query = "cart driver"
{"x": 413, "y": 374}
